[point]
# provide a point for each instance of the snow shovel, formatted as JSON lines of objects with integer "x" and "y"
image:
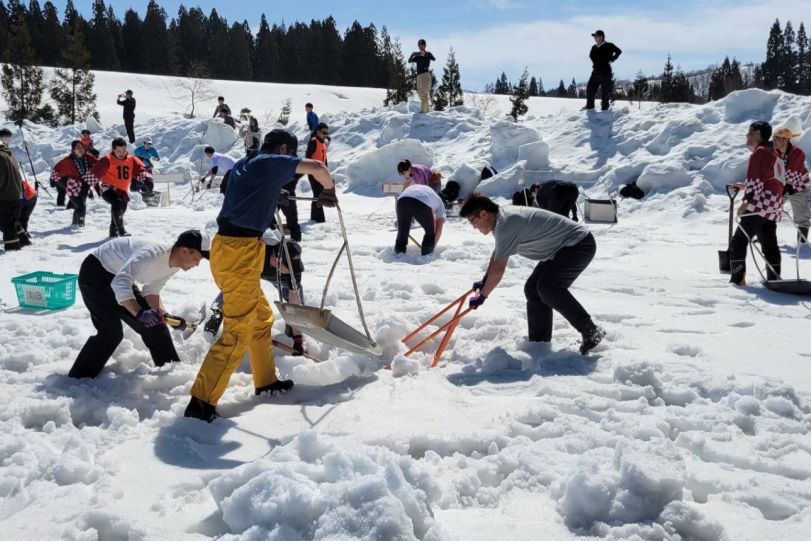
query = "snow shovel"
{"x": 319, "y": 322}
{"x": 723, "y": 255}
{"x": 448, "y": 327}
{"x": 188, "y": 327}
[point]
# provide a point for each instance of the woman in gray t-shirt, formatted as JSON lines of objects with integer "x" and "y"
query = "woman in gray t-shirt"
{"x": 563, "y": 249}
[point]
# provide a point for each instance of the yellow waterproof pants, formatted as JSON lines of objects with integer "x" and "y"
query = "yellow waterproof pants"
{"x": 236, "y": 264}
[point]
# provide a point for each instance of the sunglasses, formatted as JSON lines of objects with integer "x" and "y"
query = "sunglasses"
{"x": 472, "y": 219}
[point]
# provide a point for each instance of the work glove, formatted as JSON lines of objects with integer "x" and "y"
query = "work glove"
{"x": 476, "y": 301}
{"x": 284, "y": 198}
{"x": 182, "y": 325}
{"x": 149, "y": 317}
{"x": 327, "y": 198}
{"x": 478, "y": 286}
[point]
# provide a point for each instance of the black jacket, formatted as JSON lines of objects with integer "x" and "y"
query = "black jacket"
{"x": 423, "y": 61}
{"x": 602, "y": 56}
{"x": 11, "y": 182}
{"x": 129, "y": 106}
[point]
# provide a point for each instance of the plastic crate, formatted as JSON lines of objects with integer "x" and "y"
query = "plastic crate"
{"x": 45, "y": 290}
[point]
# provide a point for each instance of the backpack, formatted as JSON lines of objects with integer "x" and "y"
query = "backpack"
{"x": 632, "y": 190}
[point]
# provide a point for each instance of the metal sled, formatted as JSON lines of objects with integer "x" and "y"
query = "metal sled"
{"x": 319, "y": 322}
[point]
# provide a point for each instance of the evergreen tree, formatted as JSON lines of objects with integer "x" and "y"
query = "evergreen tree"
{"x": 216, "y": 43}
{"x": 502, "y": 85}
{"x": 803, "y": 62}
{"x": 72, "y": 86}
{"x": 115, "y": 26}
{"x": 36, "y": 29}
{"x": 131, "y": 33}
{"x": 541, "y": 91}
{"x": 571, "y": 91}
{"x": 266, "y": 66}
{"x": 520, "y": 96}
{"x": 157, "y": 50}
{"x": 561, "y": 91}
{"x": 53, "y": 37}
{"x": 330, "y": 47}
{"x": 398, "y": 88}
{"x": 22, "y": 80}
{"x": 667, "y": 92}
{"x": 100, "y": 40}
{"x": 190, "y": 38}
{"x": 640, "y": 89}
{"x": 680, "y": 89}
{"x": 5, "y": 23}
{"x": 789, "y": 63}
{"x": 284, "y": 115}
{"x": 533, "y": 86}
{"x": 449, "y": 93}
{"x": 773, "y": 66}
{"x": 239, "y": 54}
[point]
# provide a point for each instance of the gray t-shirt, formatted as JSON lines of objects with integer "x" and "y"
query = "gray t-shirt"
{"x": 534, "y": 233}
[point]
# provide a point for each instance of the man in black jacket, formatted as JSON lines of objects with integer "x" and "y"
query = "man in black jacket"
{"x": 11, "y": 193}
{"x": 423, "y": 60}
{"x": 128, "y": 103}
{"x": 603, "y": 54}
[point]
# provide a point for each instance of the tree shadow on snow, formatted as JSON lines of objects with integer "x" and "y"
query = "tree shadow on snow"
{"x": 499, "y": 366}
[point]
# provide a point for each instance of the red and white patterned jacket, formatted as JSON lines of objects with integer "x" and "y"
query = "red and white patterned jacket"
{"x": 796, "y": 171}
{"x": 765, "y": 182}
{"x": 67, "y": 168}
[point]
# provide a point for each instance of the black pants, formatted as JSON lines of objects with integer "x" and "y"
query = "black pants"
{"x": 118, "y": 206}
{"x": 316, "y": 211}
{"x": 26, "y": 209}
{"x": 107, "y": 315}
{"x": 766, "y": 232}
{"x": 129, "y": 123}
{"x": 547, "y": 289}
{"x": 79, "y": 203}
{"x": 604, "y": 80}
{"x": 60, "y": 194}
{"x": 563, "y": 200}
{"x": 291, "y": 212}
{"x": 145, "y": 186}
{"x": 409, "y": 208}
{"x": 9, "y": 220}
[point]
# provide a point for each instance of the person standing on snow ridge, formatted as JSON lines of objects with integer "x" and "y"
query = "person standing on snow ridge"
{"x": 762, "y": 205}
{"x": 602, "y": 55}
{"x": 419, "y": 174}
{"x": 563, "y": 249}
{"x": 108, "y": 281}
{"x": 73, "y": 172}
{"x": 312, "y": 119}
{"x": 796, "y": 180}
{"x": 115, "y": 172}
{"x": 237, "y": 260}
{"x": 421, "y": 203}
{"x": 11, "y": 194}
{"x": 423, "y": 60}
{"x": 317, "y": 150}
{"x": 128, "y": 103}
{"x": 221, "y": 108}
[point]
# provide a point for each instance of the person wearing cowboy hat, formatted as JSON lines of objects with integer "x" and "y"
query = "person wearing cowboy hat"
{"x": 796, "y": 179}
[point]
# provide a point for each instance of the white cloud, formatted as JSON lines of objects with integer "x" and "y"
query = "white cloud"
{"x": 558, "y": 49}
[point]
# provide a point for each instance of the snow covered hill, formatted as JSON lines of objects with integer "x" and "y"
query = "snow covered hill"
{"x": 692, "y": 421}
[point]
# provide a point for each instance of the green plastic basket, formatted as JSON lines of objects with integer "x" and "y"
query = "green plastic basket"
{"x": 45, "y": 290}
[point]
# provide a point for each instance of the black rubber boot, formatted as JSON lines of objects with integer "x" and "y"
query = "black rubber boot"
{"x": 199, "y": 409}
{"x": 591, "y": 338}
{"x": 280, "y": 385}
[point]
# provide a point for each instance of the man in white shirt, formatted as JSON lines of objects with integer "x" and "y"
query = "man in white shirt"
{"x": 109, "y": 281}
{"x": 219, "y": 164}
{"x": 421, "y": 203}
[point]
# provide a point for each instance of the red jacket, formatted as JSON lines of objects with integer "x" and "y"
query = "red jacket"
{"x": 765, "y": 181}
{"x": 67, "y": 168}
{"x": 796, "y": 171}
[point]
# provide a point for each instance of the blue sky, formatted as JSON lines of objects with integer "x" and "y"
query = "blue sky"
{"x": 552, "y": 38}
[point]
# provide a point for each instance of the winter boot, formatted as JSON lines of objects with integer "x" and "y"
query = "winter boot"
{"x": 25, "y": 238}
{"x": 802, "y": 235}
{"x": 199, "y": 409}
{"x": 113, "y": 230}
{"x": 591, "y": 338}
{"x": 11, "y": 244}
{"x": 298, "y": 346}
{"x": 280, "y": 385}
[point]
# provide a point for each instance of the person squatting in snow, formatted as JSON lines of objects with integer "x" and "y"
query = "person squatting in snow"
{"x": 72, "y": 175}
{"x": 17, "y": 198}
{"x": 115, "y": 172}
{"x": 237, "y": 261}
{"x": 762, "y": 205}
{"x": 420, "y": 203}
{"x": 558, "y": 196}
{"x": 416, "y": 173}
{"x": 109, "y": 280}
{"x": 796, "y": 180}
{"x": 563, "y": 249}
{"x": 148, "y": 154}
{"x": 219, "y": 164}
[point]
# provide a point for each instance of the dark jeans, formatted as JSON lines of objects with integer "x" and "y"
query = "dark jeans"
{"x": 291, "y": 211}
{"x": 9, "y": 220}
{"x": 79, "y": 203}
{"x": 129, "y": 123}
{"x": 107, "y": 315}
{"x": 766, "y": 232}
{"x": 26, "y": 210}
{"x": 118, "y": 206}
{"x": 316, "y": 211}
{"x": 409, "y": 208}
{"x": 604, "y": 81}
{"x": 547, "y": 289}
{"x": 563, "y": 200}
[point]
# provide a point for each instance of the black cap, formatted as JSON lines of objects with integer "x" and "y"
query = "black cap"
{"x": 282, "y": 137}
{"x": 5, "y": 132}
{"x": 195, "y": 240}
{"x": 598, "y": 33}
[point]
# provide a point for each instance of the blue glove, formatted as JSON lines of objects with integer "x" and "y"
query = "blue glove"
{"x": 476, "y": 301}
{"x": 478, "y": 286}
{"x": 149, "y": 317}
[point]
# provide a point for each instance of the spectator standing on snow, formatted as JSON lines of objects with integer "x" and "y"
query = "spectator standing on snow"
{"x": 221, "y": 108}
{"x": 312, "y": 119}
{"x": 563, "y": 250}
{"x": 796, "y": 180}
{"x": 73, "y": 172}
{"x": 87, "y": 141}
{"x": 126, "y": 101}
{"x": 237, "y": 260}
{"x": 11, "y": 194}
{"x": 109, "y": 281}
{"x": 602, "y": 55}
{"x": 419, "y": 174}
{"x": 423, "y": 60}
{"x": 219, "y": 164}
{"x": 762, "y": 205}
{"x": 420, "y": 203}
{"x": 317, "y": 150}
{"x": 115, "y": 172}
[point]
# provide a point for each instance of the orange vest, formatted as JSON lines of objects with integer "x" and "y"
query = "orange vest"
{"x": 119, "y": 172}
{"x": 320, "y": 153}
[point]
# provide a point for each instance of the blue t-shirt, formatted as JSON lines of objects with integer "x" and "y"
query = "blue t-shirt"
{"x": 145, "y": 155}
{"x": 312, "y": 121}
{"x": 253, "y": 190}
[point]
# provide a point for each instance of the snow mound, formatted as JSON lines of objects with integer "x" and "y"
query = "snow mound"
{"x": 467, "y": 177}
{"x": 663, "y": 176}
{"x": 219, "y": 135}
{"x": 535, "y": 154}
{"x": 751, "y": 104}
{"x": 506, "y": 139}
{"x": 312, "y": 489}
{"x": 366, "y": 174}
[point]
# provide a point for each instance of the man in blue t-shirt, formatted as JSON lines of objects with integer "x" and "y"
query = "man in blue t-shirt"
{"x": 312, "y": 118}
{"x": 237, "y": 260}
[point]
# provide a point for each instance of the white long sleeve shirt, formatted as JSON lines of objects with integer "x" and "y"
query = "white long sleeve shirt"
{"x": 136, "y": 261}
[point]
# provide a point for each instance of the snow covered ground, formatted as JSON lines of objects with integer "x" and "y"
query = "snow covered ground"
{"x": 691, "y": 422}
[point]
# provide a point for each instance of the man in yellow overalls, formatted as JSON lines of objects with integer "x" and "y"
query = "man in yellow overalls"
{"x": 237, "y": 259}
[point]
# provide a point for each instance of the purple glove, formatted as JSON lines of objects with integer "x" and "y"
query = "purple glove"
{"x": 149, "y": 317}
{"x": 476, "y": 301}
{"x": 478, "y": 286}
